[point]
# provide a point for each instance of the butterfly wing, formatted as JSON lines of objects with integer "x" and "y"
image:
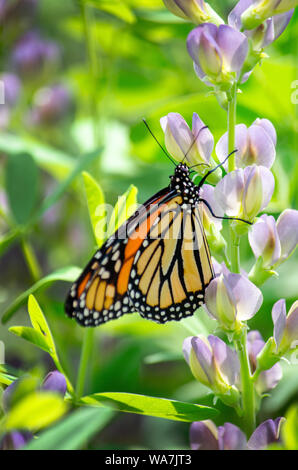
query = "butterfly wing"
{"x": 101, "y": 292}
{"x": 172, "y": 268}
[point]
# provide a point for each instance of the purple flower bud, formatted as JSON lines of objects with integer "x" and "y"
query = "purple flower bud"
{"x": 267, "y": 379}
{"x": 212, "y": 362}
{"x": 196, "y": 11}
{"x": 266, "y": 32}
{"x": 266, "y": 433}
{"x": 285, "y": 326}
{"x": 261, "y": 10}
{"x": 50, "y": 105}
{"x": 203, "y": 436}
{"x": 231, "y": 298}
{"x": 218, "y": 53}
{"x": 245, "y": 192}
{"x": 255, "y": 144}
{"x": 193, "y": 146}
{"x": 12, "y": 87}
{"x": 55, "y": 381}
{"x": 32, "y": 53}
{"x": 274, "y": 241}
{"x": 15, "y": 440}
{"x": 230, "y": 437}
{"x": 8, "y": 395}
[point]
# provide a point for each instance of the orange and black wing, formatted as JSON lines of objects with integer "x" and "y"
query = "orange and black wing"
{"x": 172, "y": 267}
{"x": 101, "y": 293}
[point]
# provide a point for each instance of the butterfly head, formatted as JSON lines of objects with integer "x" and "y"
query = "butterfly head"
{"x": 182, "y": 183}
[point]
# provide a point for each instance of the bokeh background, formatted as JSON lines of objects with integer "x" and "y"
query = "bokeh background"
{"x": 78, "y": 79}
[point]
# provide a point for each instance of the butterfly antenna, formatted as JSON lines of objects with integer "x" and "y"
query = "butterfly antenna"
{"x": 162, "y": 148}
{"x": 193, "y": 142}
{"x": 215, "y": 168}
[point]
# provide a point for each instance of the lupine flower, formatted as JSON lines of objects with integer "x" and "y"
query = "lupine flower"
{"x": 55, "y": 381}
{"x": 50, "y": 105}
{"x": 285, "y": 326}
{"x": 32, "y": 53}
{"x": 15, "y": 440}
{"x": 266, "y": 433}
{"x": 212, "y": 225}
{"x": 267, "y": 379}
{"x": 274, "y": 241}
{"x": 255, "y": 144}
{"x": 218, "y": 53}
{"x": 204, "y": 435}
{"x": 231, "y": 299}
{"x": 213, "y": 364}
{"x": 12, "y": 88}
{"x": 196, "y": 11}
{"x": 245, "y": 192}
{"x": 260, "y": 10}
{"x": 193, "y": 146}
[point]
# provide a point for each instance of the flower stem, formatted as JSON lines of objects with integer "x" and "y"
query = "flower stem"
{"x": 85, "y": 360}
{"x": 31, "y": 260}
{"x": 234, "y": 239}
{"x": 247, "y": 387}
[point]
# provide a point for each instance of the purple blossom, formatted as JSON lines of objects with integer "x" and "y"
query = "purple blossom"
{"x": 15, "y": 440}
{"x": 231, "y": 299}
{"x": 218, "y": 53}
{"x": 255, "y": 144}
{"x": 207, "y": 193}
{"x": 245, "y": 192}
{"x": 266, "y": 32}
{"x": 50, "y": 105}
{"x": 212, "y": 363}
{"x": 267, "y": 379}
{"x": 274, "y": 241}
{"x": 196, "y": 11}
{"x": 55, "y": 381}
{"x": 193, "y": 146}
{"x": 285, "y": 331}
{"x": 257, "y": 11}
{"x": 12, "y": 88}
{"x": 266, "y": 433}
{"x": 32, "y": 53}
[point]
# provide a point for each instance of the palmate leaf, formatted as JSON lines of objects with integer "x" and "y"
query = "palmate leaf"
{"x": 150, "y": 406}
{"x": 73, "y": 432}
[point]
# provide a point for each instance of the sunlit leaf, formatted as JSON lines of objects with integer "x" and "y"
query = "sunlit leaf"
{"x": 68, "y": 274}
{"x": 124, "y": 208}
{"x": 39, "y": 323}
{"x": 289, "y": 430}
{"x": 117, "y": 8}
{"x": 35, "y": 411}
{"x": 96, "y": 207}
{"x": 74, "y": 431}
{"x": 151, "y": 406}
{"x": 31, "y": 335}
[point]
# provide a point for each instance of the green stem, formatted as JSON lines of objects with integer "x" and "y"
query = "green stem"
{"x": 31, "y": 260}
{"x": 247, "y": 387}
{"x": 85, "y": 360}
{"x": 87, "y": 18}
{"x": 234, "y": 251}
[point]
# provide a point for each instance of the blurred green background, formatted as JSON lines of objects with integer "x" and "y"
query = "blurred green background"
{"x": 116, "y": 62}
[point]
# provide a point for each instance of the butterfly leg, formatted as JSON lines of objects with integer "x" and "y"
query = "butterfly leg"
{"x": 219, "y": 217}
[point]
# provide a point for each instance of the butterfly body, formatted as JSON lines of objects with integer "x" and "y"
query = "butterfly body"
{"x": 157, "y": 263}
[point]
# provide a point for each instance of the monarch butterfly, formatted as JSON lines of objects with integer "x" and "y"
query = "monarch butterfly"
{"x": 157, "y": 263}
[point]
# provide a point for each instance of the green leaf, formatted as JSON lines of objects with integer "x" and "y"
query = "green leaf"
{"x": 73, "y": 431}
{"x": 21, "y": 185}
{"x": 289, "y": 429}
{"x": 35, "y": 411}
{"x": 150, "y": 406}
{"x": 80, "y": 165}
{"x": 117, "y": 8}
{"x": 96, "y": 207}
{"x": 9, "y": 238}
{"x": 124, "y": 208}
{"x": 31, "y": 335}
{"x": 68, "y": 274}
{"x": 39, "y": 323}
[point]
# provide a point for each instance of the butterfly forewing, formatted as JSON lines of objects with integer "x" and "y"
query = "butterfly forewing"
{"x": 157, "y": 263}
